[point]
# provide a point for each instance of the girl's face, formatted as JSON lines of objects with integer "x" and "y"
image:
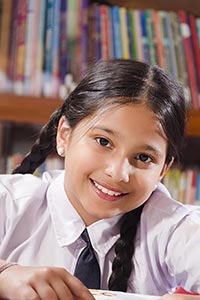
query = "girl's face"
{"x": 113, "y": 163}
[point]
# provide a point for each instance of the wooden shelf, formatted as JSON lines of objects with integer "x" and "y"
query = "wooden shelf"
{"x": 192, "y": 6}
{"x": 193, "y": 123}
{"x": 27, "y": 109}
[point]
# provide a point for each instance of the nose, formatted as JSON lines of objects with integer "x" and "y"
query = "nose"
{"x": 119, "y": 169}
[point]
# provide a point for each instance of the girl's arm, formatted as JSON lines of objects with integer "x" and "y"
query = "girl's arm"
{"x": 24, "y": 283}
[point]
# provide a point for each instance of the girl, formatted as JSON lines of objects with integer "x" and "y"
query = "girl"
{"x": 119, "y": 132}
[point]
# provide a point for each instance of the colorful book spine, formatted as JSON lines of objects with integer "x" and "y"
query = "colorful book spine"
{"x": 110, "y": 32}
{"x": 116, "y": 32}
{"x": 84, "y": 35}
{"x": 5, "y": 32}
{"x": 186, "y": 34}
{"x": 131, "y": 34}
{"x": 195, "y": 46}
{"x": 180, "y": 57}
{"x": 145, "y": 42}
{"x": 105, "y": 49}
{"x": 37, "y": 73}
{"x": 21, "y": 46}
{"x": 55, "y": 79}
{"x": 151, "y": 38}
{"x": 124, "y": 32}
{"x": 158, "y": 39}
{"x": 63, "y": 48}
{"x": 31, "y": 44}
{"x": 138, "y": 35}
{"x": 47, "y": 87}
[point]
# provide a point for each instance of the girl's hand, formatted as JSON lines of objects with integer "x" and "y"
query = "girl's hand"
{"x": 36, "y": 283}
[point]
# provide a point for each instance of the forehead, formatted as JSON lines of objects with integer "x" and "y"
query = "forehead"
{"x": 124, "y": 119}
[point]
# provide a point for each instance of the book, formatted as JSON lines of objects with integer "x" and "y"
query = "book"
{"x": 124, "y": 32}
{"x": 116, "y": 32}
{"x": 180, "y": 57}
{"x": 112, "y": 295}
{"x": 20, "y": 46}
{"x": 132, "y": 34}
{"x": 63, "y": 47}
{"x": 186, "y": 34}
{"x": 105, "y": 49}
{"x": 144, "y": 36}
{"x": 158, "y": 39}
{"x": 138, "y": 35}
{"x": 151, "y": 37}
{"x": 4, "y": 41}
{"x": 195, "y": 48}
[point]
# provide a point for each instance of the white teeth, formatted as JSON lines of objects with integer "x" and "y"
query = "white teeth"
{"x": 106, "y": 191}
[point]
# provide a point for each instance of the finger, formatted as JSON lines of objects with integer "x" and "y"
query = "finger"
{"x": 77, "y": 288}
{"x": 63, "y": 292}
{"x": 45, "y": 291}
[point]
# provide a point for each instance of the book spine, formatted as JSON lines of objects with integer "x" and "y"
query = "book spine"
{"x": 55, "y": 80}
{"x": 63, "y": 47}
{"x": 47, "y": 87}
{"x": 21, "y": 46}
{"x": 173, "y": 64}
{"x": 151, "y": 39}
{"x": 180, "y": 57}
{"x": 104, "y": 32}
{"x": 116, "y": 31}
{"x": 37, "y": 75}
{"x": 145, "y": 42}
{"x": 196, "y": 48}
{"x": 158, "y": 39}
{"x": 84, "y": 35}
{"x": 186, "y": 33}
{"x": 138, "y": 34}
{"x": 31, "y": 44}
{"x": 4, "y": 42}
{"x": 131, "y": 34}
{"x": 124, "y": 32}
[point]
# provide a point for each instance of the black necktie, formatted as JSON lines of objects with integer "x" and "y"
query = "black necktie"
{"x": 87, "y": 267}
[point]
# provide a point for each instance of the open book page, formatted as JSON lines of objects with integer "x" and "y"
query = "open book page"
{"x": 110, "y": 295}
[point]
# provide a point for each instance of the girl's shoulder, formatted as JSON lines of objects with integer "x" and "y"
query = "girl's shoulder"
{"x": 19, "y": 189}
{"x": 161, "y": 206}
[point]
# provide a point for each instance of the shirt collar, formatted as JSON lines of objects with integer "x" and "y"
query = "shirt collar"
{"x": 68, "y": 224}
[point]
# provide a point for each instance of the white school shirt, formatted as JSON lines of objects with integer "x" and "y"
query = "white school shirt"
{"x": 39, "y": 226}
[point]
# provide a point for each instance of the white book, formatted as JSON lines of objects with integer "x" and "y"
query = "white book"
{"x": 112, "y": 295}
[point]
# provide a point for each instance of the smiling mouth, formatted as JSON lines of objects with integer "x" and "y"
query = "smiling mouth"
{"x": 107, "y": 191}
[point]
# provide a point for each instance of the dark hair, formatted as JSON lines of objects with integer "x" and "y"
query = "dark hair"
{"x": 122, "y": 82}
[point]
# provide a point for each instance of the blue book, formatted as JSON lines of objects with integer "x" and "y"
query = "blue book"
{"x": 145, "y": 42}
{"x": 116, "y": 32}
{"x": 63, "y": 41}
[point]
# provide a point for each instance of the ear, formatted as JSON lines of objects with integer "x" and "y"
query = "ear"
{"x": 62, "y": 138}
{"x": 166, "y": 168}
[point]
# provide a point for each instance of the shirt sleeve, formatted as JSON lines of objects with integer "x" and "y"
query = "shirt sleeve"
{"x": 183, "y": 250}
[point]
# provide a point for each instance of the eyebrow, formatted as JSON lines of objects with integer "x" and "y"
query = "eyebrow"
{"x": 110, "y": 131}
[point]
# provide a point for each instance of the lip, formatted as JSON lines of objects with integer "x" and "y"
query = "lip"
{"x": 105, "y": 196}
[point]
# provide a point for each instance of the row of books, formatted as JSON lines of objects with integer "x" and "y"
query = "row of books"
{"x": 184, "y": 185}
{"x": 43, "y": 41}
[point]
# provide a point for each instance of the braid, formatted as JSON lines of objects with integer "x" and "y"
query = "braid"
{"x": 44, "y": 145}
{"x": 124, "y": 249}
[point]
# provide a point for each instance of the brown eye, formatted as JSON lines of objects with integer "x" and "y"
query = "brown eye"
{"x": 103, "y": 142}
{"x": 144, "y": 158}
